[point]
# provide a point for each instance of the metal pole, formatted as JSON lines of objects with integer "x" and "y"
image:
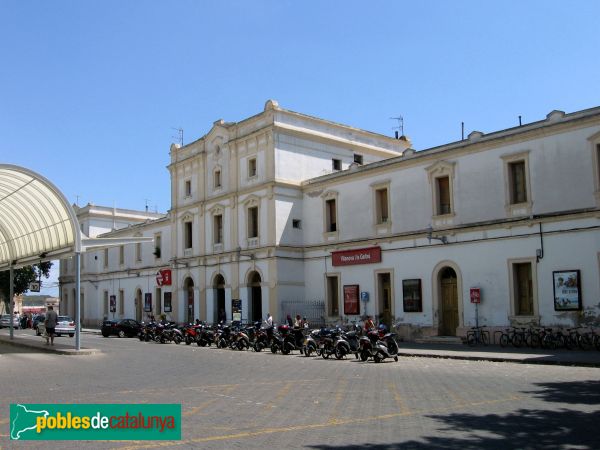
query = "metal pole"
{"x": 11, "y": 293}
{"x": 77, "y": 301}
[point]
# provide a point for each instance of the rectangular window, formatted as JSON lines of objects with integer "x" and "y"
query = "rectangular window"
{"x": 253, "y": 222}
{"x": 523, "y": 286}
{"x": 251, "y": 167}
{"x": 358, "y": 158}
{"x": 411, "y": 292}
{"x": 336, "y": 164}
{"x": 443, "y": 195}
{"x": 518, "y": 182}
{"x": 381, "y": 196}
{"x": 187, "y": 232}
{"x": 157, "y": 245}
{"x": 188, "y": 188}
{"x": 105, "y": 257}
{"x": 105, "y": 302}
{"x": 122, "y": 254}
{"x": 333, "y": 296}
{"x": 121, "y": 302}
{"x": 296, "y": 223}
{"x": 217, "y": 178}
{"x": 330, "y": 218}
{"x": 218, "y": 229}
{"x": 138, "y": 252}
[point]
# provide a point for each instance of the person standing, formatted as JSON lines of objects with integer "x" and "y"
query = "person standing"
{"x": 50, "y": 322}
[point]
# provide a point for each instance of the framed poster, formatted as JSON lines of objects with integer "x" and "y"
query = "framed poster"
{"x": 147, "y": 302}
{"x": 167, "y": 307}
{"x": 236, "y": 309}
{"x": 567, "y": 290}
{"x": 411, "y": 293}
{"x": 113, "y": 303}
{"x": 351, "y": 305}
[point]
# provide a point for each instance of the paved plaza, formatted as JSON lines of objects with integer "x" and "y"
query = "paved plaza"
{"x": 245, "y": 400}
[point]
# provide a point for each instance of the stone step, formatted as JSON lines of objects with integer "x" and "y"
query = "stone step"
{"x": 453, "y": 340}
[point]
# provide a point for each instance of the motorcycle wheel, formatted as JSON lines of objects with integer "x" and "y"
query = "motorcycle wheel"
{"x": 222, "y": 343}
{"x": 162, "y": 340}
{"x": 307, "y": 351}
{"x": 273, "y": 349}
{"x": 188, "y": 340}
{"x": 339, "y": 353}
{"x": 257, "y": 347}
{"x": 324, "y": 354}
{"x": 285, "y": 350}
{"x": 377, "y": 358}
{"x": 364, "y": 355}
{"x": 396, "y": 358}
{"x": 177, "y": 339}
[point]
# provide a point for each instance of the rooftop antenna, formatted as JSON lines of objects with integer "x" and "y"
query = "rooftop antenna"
{"x": 520, "y": 124}
{"x": 462, "y": 131}
{"x": 147, "y": 200}
{"x": 179, "y": 135}
{"x": 77, "y": 201}
{"x": 400, "y": 126}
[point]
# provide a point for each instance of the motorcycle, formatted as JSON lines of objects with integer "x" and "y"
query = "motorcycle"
{"x": 262, "y": 338}
{"x": 346, "y": 343}
{"x": 327, "y": 339}
{"x": 378, "y": 344}
{"x": 191, "y": 333}
{"x": 311, "y": 343}
{"x": 205, "y": 336}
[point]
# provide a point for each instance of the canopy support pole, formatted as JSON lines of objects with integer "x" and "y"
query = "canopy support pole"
{"x": 11, "y": 293}
{"x": 77, "y": 301}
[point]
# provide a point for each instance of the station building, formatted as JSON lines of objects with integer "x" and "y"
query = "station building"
{"x": 287, "y": 213}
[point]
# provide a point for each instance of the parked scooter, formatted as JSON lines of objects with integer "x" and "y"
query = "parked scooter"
{"x": 205, "y": 337}
{"x": 346, "y": 343}
{"x": 311, "y": 343}
{"x": 378, "y": 344}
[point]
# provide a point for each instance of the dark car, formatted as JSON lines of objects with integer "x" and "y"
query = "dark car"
{"x": 121, "y": 328}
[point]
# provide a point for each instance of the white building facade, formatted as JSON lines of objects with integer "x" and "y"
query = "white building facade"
{"x": 286, "y": 213}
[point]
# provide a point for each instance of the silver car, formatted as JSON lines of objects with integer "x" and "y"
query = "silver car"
{"x": 5, "y": 321}
{"x": 64, "y": 325}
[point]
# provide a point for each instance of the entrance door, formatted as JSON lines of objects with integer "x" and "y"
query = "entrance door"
{"x": 449, "y": 301}
{"x": 255, "y": 298}
{"x": 189, "y": 294}
{"x": 219, "y": 304}
{"x": 385, "y": 299}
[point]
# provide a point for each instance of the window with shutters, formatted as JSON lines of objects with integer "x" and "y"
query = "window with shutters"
{"x": 218, "y": 229}
{"x": 331, "y": 215}
{"x": 523, "y": 289}
{"x": 253, "y": 222}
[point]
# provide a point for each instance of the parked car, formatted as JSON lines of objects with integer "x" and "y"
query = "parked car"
{"x": 65, "y": 325}
{"x": 37, "y": 319}
{"x": 5, "y": 321}
{"x": 121, "y": 328}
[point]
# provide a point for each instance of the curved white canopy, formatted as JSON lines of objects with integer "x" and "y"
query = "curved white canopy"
{"x": 36, "y": 221}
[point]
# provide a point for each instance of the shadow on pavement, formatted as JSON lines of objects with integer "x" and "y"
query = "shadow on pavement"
{"x": 522, "y": 429}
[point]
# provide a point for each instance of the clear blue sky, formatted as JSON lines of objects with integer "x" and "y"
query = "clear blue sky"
{"x": 90, "y": 90}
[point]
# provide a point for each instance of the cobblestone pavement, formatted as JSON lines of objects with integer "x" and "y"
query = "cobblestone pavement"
{"x": 246, "y": 400}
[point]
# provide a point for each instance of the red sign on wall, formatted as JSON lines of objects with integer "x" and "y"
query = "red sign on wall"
{"x": 359, "y": 256}
{"x": 163, "y": 277}
{"x": 351, "y": 299}
{"x": 475, "y": 295}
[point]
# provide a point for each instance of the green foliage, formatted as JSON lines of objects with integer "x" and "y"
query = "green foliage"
{"x": 22, "y": 278}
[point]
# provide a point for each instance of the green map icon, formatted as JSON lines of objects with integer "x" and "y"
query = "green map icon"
{"x": 23, "y": 419}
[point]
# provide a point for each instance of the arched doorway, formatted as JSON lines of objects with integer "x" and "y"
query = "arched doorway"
{"x": 219, "y": 299}
{"x": 448, "y": 302}
{"x": 138, "y": 305}
{"x": 255, "y": 297}
{"x": 188, "y": 287}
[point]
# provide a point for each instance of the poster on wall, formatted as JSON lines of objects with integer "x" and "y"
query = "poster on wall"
{"x": 167, "y": 308}
{"x": 567, "y": 290}
{"x": 351, "y": 305}
{"x": 411, "y": 295}
{"x": 113, "y": 303}
{"x": 236, "y": 309}
{"x": 148, "y": 302}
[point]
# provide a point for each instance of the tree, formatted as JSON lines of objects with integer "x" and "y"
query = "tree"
{"x": 22, "y": 278}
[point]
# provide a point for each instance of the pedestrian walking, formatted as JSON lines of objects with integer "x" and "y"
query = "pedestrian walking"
{"x": 50, "y": 322}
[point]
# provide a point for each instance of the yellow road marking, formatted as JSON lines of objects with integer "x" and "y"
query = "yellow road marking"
{"x": 339, "y": 396}
{"x": 398, "y": 398}
{"x": 336, "y": 422}
{"x": 195, "y": 409}
{"x": 281, "y": 394}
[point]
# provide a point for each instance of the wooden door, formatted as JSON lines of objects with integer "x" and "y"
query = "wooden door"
{"x": 449, "y": 307}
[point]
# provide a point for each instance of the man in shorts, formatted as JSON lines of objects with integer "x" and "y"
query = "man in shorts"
{"x": 50, "y": 322}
